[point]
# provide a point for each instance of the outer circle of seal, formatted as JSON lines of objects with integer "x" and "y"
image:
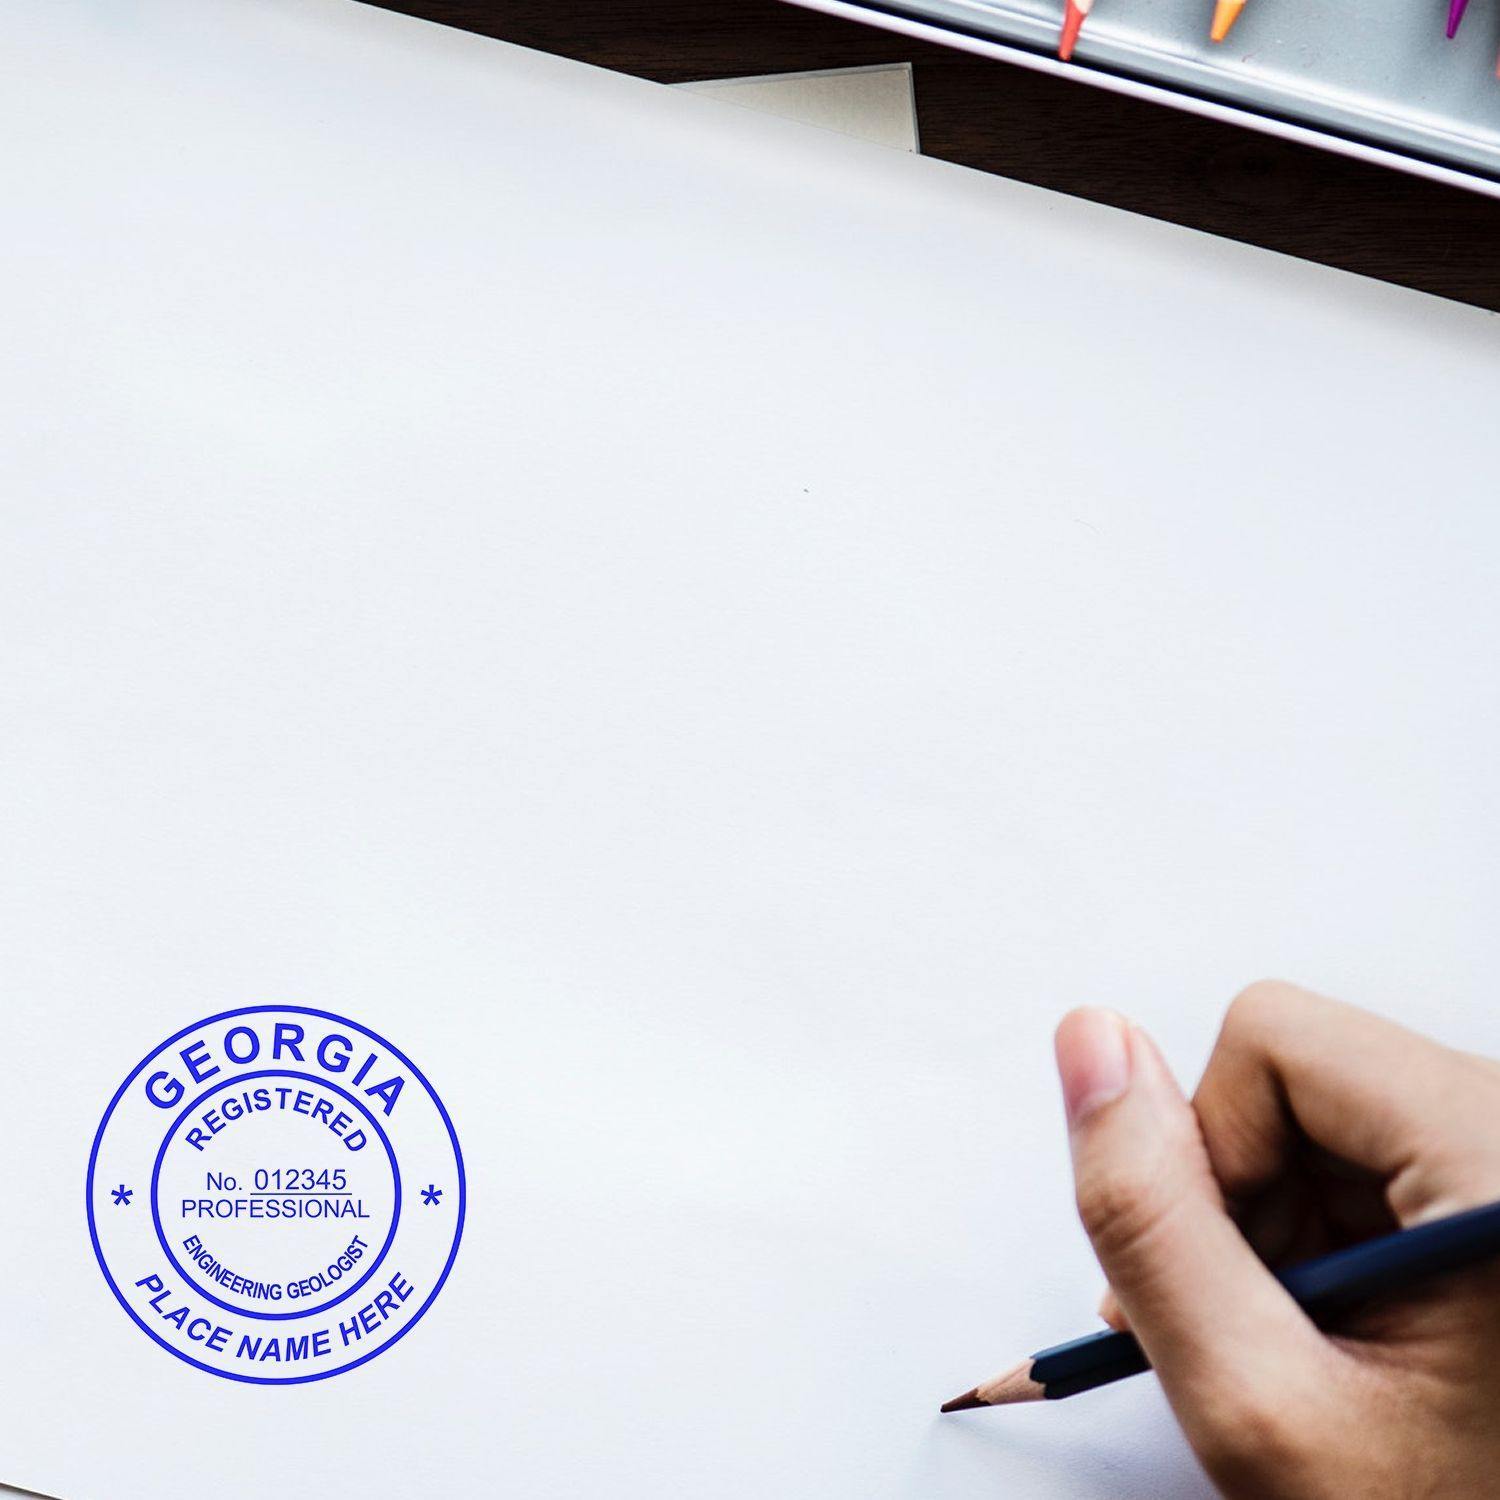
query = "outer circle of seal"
{"x": 266, "y": 1010}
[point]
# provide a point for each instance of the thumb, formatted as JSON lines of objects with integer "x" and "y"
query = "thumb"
{"x": 1214, "y": 1322}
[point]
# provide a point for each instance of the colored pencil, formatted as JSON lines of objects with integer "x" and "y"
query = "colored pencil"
{"x": 1324, "y": 1288}
{"x": 1456, "y": 9}
{"x": 1226, "y": 13}
{"x": 1072, "y": 21}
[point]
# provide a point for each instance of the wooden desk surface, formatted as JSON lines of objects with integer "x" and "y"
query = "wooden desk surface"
{"x": 1050, "y": 131}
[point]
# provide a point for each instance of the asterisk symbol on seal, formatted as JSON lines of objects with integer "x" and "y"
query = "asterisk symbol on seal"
{"x": 121, "y": 1194}
{"x": 431, "y": 1194}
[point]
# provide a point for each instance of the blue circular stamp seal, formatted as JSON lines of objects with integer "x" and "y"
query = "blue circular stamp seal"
{"x": 276, "y": 1194}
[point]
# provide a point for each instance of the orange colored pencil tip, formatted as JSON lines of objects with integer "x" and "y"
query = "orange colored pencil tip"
{"x": 1072, "y": 21}
{"x": 1226, "y": 13}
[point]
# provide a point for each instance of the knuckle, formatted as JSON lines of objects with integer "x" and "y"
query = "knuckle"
{"x": 1260, "y": 1003}
{"x": 1121, "y": 1209}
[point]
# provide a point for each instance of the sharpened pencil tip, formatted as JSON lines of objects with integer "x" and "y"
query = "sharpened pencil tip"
{"x": 1072, "y": 24}
{"x": 1226, "y": 13}
{"x": 967, "y": 1402}
{"x": 1014, "y": 1385}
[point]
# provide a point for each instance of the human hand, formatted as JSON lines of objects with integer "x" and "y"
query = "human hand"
{"x": 1315, "y": 1125}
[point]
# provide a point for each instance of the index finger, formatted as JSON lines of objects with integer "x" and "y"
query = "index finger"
{"x": 1292, "y": 1064}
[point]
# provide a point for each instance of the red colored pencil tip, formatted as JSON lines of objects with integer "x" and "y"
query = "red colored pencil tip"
{"x": 1072, "y": 21}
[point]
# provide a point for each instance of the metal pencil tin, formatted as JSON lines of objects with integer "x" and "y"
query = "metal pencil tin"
{"x": 1377, "y": 80}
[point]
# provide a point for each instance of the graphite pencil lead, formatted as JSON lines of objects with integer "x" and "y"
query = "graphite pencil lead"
{"x": 967, "y": 1402}
{"x": 1013, "y": 1386}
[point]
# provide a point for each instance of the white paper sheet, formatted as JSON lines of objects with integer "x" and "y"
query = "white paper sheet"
{"x": 874, "y": 103}
{"x": 709, "y": 636}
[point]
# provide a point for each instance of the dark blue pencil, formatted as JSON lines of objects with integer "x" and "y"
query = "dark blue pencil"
{"x": 1323, "y": 1288}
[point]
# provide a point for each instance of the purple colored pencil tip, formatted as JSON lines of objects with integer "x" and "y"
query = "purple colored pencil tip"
{"x": 1456, "y": 10}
